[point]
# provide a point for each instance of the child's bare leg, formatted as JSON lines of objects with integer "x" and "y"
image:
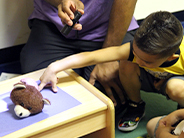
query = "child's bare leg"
{"x": 151, "y": 126}
{"x": 175, "y": 90}
{"x": 129, "y": 76}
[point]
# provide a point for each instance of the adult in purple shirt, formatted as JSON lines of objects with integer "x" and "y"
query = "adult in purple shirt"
{"x": 104, "y": 23}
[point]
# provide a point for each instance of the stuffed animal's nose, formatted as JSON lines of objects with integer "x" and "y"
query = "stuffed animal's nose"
{"x": 21, "y": 111}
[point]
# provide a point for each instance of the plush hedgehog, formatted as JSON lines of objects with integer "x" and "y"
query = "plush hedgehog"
{"x": 27, "y": 98}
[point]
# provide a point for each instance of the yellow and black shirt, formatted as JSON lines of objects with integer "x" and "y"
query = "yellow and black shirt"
{"x": 167, "y": 69}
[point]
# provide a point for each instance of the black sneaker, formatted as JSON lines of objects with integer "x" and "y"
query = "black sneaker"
{"x": 120, "y": 108}
{"x": 134, "y": 113}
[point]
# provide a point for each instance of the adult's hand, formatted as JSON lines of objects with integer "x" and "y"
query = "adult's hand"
{"x": 66, "y": 12}
{"x": 107, "y": 75}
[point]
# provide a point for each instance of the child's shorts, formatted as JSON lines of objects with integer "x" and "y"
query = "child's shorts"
{"x": 147, "y": 82}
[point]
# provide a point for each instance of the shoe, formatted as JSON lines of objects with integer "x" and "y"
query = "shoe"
{"x": 131, "y": 118}
{"x": 120, "y": 108}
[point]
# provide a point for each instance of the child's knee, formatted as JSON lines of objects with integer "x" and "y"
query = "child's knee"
{"x": 175, "y": 89}
{"x": 149, "y": 126}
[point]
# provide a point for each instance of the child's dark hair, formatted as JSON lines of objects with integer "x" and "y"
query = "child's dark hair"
{"x": 160, "y": 34}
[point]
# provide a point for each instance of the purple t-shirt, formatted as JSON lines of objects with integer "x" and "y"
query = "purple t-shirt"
{"x": 94, "y": 21}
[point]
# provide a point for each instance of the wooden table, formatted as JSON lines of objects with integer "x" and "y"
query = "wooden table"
{"x": 94, "y": 118}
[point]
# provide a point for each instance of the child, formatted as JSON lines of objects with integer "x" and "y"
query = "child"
{"x": 152, "y": 62}
{"x": 162, "y": 127}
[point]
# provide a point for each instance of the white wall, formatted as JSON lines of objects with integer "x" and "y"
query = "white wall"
{"x": 145, "y": 7}
{"x": 13, "y": 22}
{"x": 14, "y": 13}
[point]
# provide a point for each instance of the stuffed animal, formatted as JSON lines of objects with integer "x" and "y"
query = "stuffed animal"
{"x": 27, "y": 98}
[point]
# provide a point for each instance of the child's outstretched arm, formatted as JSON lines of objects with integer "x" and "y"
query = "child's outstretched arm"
{"x": 82, "y": 60}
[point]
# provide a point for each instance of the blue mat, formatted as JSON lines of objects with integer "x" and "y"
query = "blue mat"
{"x": 9, "y": 122}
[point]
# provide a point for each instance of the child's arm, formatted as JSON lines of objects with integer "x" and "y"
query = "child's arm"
{"x": 82, "y": 60}
{"x": 165, "y": 125}
{"x": 174, "y": 117}
{"x": 165, "y": 132}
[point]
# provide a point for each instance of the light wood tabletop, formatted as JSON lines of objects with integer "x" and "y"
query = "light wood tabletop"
{"x": 94, "y": 117}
